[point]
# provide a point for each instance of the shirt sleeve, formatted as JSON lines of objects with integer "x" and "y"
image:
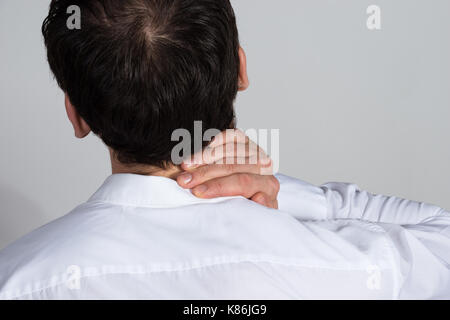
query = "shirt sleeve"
{"x": 419, "y": 233}
{"x": 347, "y": 201}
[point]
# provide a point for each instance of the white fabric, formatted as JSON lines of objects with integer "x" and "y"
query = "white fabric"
{"x": 145, "y": 238}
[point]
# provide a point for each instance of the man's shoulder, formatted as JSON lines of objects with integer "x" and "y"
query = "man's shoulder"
{"x": 50, "y": 235}
{"x": 98, "y": 234}
{"x": 47, "y": 248}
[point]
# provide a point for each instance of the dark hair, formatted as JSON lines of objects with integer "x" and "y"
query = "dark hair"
{"x": 139, "y": 69}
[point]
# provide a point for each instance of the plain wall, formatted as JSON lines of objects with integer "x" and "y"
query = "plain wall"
{"x": 352, "y": 105}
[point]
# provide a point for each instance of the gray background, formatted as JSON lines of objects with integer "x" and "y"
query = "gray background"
{"x": 370, "y": 107}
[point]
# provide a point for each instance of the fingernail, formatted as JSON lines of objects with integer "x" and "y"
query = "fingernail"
{"x": 186, "y": 178}
{"x": 200, "y": 190}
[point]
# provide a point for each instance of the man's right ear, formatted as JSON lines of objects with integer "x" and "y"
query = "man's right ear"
{"x": 243, "y": 75}
{"x": 80, "y": 126}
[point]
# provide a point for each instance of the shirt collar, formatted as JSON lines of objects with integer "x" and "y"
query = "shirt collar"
{"x": 146, "y": 191}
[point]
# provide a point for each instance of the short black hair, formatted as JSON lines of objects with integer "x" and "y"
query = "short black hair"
{"x": 137, "y": 70}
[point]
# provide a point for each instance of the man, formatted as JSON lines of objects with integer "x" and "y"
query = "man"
{"x": 136, "y": 71}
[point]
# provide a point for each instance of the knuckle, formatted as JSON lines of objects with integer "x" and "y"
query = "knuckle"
{"x": 200, "y": 173}
{"x": 275, "y": 184}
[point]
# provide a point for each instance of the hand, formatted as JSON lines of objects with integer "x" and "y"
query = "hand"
{"x": 232, "y": 165}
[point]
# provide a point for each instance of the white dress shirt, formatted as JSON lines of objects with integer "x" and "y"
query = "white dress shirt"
{"x": 144, "y": 237}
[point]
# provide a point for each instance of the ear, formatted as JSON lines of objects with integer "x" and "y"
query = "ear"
{"x": 80, "y": 126}
{"x": 243, "y": 76}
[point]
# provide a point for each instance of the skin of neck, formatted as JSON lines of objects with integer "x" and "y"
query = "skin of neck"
{"x": 117, "y": 167}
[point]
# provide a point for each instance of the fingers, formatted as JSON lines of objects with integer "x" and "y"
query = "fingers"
{"x": 232, "y": 165}
{"x": 261, "y": 167}
{"x": 191, "y": 179}
{"x": 224, "y": 154}
{"x": 234, "y": 150}
{"x": 229, "y": 136}
{"x": 265, "y": 200}
{"x": 242, "y": 184}
{"x": 227, "y": 144}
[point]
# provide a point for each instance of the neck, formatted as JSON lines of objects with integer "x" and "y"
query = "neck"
{"x": 171, "y": 172}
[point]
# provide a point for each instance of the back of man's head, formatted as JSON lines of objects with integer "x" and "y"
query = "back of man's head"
{"x": 137, "y": 70}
